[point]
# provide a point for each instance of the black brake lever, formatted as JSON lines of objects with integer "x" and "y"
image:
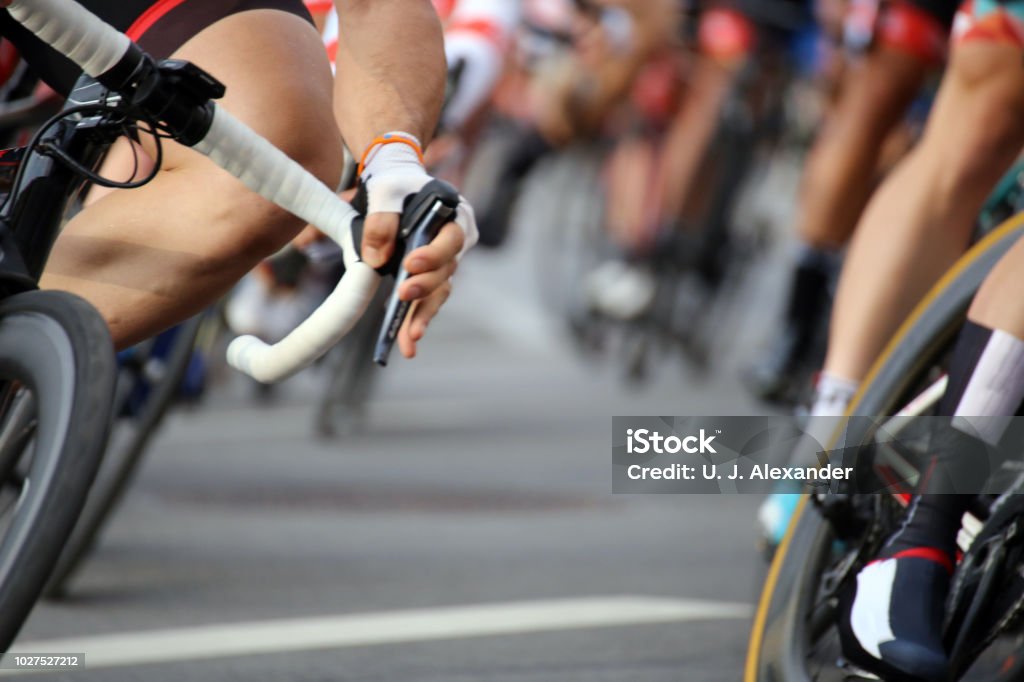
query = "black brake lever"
{"x": 424, "y": 215}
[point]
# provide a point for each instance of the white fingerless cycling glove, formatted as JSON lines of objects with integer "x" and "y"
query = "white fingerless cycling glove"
{"x": 392, "y": 170}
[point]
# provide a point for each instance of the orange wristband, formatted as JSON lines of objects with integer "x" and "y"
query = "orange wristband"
{"x": 389, "y": 138}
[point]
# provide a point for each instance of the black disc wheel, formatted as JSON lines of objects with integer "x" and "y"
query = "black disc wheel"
{"x": 57, "y": 374}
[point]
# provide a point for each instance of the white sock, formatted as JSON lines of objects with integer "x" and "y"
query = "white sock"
{"x": 995, "y": 391}
{"x": 832, "y": 395}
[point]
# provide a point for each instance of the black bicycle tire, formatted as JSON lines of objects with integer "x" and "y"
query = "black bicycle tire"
{"x": 775, "y": 652}
{"x": 58, "y": 345}
{"x": 118, "y": 468}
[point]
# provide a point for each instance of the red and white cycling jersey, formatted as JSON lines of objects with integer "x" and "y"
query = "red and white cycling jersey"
{"x": 478, "y": 37}
{"x": 445, "y": 8}
{"x": 478, "y": 34}
{"x": 495, "y": 20}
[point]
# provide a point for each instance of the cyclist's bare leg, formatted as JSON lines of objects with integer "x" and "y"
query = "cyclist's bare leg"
{"x": 150, "y": 257}
{"x": 689, "y": 137}
{"x": 631, "y": 174}
{"x": 127, "y": 161}
{"x": 840, "y": 171}
{"x": 872, "y": 94}
{"x": 920, "y": 220}
{"x": 998, "y": 304}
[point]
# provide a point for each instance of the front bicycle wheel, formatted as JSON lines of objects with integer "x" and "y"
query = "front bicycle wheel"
{"x": 793, "y": 637}
{"x": 57, "y": 375}
{"x": 146, "y": 387}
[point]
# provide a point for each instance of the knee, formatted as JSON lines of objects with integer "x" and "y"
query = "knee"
{"x": 969, "y": 169}
{"x": 980, "y": 131}
{"x": 309, "y": 135}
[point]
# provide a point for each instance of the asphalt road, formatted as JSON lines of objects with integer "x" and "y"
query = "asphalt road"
{"x": 468, "y": 533}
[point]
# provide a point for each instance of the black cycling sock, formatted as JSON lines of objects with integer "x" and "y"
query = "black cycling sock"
{"x": 933, "y": 522}
{"x": 970, "y": 344}
{"x": 494, "y": 216}
{"x": 958, "y": 463}
{"x": 530, "y": 148}
{"x": 944, "y": 493}
{"x": 810, "y": 292}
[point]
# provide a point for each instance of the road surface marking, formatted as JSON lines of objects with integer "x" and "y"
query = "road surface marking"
{"x": 356, "y": 630}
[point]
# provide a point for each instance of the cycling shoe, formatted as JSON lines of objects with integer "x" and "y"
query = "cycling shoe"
{"x": 621, "y": 291}
{"x": 891, "y": 617}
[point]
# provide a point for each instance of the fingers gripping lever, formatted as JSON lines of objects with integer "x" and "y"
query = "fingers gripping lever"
{"x": 424, "y": 215}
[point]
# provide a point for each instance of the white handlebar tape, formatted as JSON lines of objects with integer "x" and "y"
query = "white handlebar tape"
{"x": 269, "y": 172}
{"x": 321, "y": 331}
{"x": 73, "y": 31}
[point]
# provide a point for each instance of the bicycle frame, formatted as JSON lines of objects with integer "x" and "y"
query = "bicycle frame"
{"x": 31, "y": 217}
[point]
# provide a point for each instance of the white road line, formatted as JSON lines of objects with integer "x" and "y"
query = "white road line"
{"x": 356, "y": 630}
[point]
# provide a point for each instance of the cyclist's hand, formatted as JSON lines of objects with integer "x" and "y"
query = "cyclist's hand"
{"x": 391, "y": 172}
{"x": 431, "y": 267}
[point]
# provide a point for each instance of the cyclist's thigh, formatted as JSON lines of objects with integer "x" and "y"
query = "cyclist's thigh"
{"x": 266, "y": 51}
{"x": 278, "y": 81}
{"x": 998, "y": 304}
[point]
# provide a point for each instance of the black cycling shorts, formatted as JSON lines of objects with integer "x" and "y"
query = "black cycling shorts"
{"x": 943, "y": 10}
{"x": 159, "y": 26}
{"x": 775, "y": 20}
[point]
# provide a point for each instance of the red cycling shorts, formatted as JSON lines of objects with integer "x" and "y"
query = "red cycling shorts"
{"x": 919, "y": 28}
{"x": 725, "y": 34}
